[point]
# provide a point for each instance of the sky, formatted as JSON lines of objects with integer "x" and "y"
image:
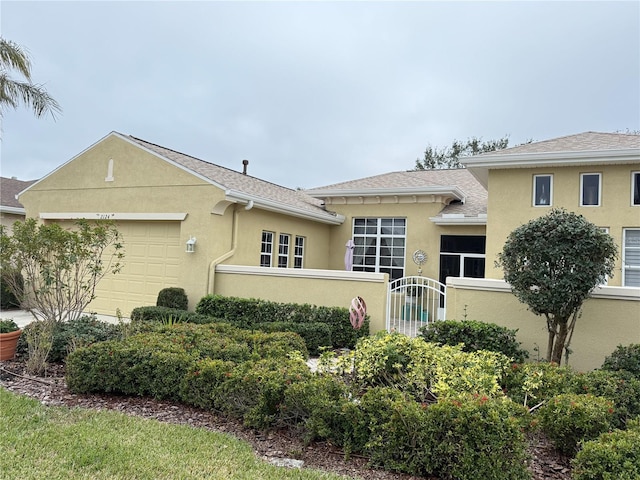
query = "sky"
{"x": 318, "y": 92}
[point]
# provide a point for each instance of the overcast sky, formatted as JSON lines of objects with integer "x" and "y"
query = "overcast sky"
{"x": 314, "y": 93}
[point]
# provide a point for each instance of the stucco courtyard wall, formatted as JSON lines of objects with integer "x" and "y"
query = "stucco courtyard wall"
{"x": 329, "y": 288}
{"x": 610, "y": 318}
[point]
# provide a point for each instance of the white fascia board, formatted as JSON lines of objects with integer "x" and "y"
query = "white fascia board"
{"x": 479, "y": 220}
{"x": 112, "y": 216}
{"x": 12, "y": 210}
{"x": 480, "y": 165}
{"x": 388, "y": 191}
{"x": 629, "y": 155}
{"x": 269, "y": 205}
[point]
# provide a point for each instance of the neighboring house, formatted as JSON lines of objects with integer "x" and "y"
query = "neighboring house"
{"x": 11, "y": 209}
{"x": 209, "y": 229}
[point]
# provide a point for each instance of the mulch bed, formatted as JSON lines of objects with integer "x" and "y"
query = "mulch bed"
{"x": 275, "y": 446}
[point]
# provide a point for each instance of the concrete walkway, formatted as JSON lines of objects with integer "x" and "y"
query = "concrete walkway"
{"x": 23, "y": 318}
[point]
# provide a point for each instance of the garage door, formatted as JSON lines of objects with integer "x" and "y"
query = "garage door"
{"x": 152, "y": 252}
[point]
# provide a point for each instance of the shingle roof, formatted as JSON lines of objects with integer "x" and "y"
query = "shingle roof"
{"x": 239, "y": 182}
{"x": 587, "y": 141}
{"x": 475, "y": 194}
{"x": 9, "y": 188}
{"x": 586, "y": 148}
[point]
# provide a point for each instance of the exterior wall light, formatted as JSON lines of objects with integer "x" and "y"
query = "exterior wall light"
{"x": 191, "y": 245}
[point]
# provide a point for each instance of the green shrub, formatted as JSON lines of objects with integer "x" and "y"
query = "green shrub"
{"x": 624, "y": 358}
{"x": 139, "y": 365}
{"x": 254, "y": 391}
{"x": 315, "y": 335}
{"x": 70, "y": 335}
{"x": 198, "y": 384}
{"x": 247, "y": 313}
{"x": 426, "y": 370}
{"x": 8, "y": 300}
{"x": 476, "y": 437}
{"x": 569, "y": 419}
{"x": 464, "y": 439}
{"x": 612, "y": 456}
{"x": 313, "y": 406}
{"x": 476, "y": 336}
{"x": 163, "y": 314}
{"x": 276, "y": 344}
{"x": 173, "y": 297}
{"x": 532, "y": 383}
{"x": 364, "y": 416}
{"x": 621, "y": 387}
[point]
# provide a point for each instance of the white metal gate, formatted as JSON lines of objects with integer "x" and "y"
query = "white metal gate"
{"x": 413, "y": 302}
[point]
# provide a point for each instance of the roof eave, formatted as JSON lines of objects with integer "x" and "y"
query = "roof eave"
{"x": 452, "y": 191}
{"x": 480, "y": 165}
{"x": 12, "y": 210}
{"x": 277, "y": 207}
{"x": 478, "y": 220}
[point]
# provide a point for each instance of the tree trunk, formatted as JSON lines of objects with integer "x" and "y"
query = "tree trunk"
{"x": 560, "y": 339}
{"x": 551, "y": 328}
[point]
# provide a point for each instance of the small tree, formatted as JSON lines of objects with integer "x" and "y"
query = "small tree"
{"x": 60, "y": 268}
{"x": 553, "y": 263}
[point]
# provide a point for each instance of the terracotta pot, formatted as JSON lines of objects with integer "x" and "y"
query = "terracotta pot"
{"x": 8, "y": 343}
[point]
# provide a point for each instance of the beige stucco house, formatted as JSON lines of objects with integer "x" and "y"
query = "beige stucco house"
{"x": 209, "y": 229}
{"x": 11, "y": 209}
{"x": 593, "y": 174}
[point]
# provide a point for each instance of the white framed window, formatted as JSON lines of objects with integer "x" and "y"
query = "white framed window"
{"x": 266, "y": 249}
{"x": 379, "y": 245}
{"x": 631, "y": 257}
{"x": 590, "y": 189}
{"x": 542, "y": 190}
{"x": 283, "y": 250}
{"x": 635, "y": 188}
{"x": 298, "y": 252}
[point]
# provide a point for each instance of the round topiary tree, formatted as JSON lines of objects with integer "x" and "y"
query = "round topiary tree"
{"x": 553, "y": 263}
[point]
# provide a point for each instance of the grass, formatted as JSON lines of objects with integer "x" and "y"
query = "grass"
{"x": 60, "y": 443}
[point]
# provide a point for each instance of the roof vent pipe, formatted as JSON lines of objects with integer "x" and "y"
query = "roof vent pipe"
{"x": 244, "y": 166}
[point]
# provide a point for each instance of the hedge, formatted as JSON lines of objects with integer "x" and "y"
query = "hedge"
{"x": 168, "y": 315}
{"x": 247, "y": 313}
{"x": 476, "y": 336}
{"x": 315, "y": 334}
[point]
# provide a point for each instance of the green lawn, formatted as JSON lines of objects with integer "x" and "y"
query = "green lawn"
{"x": 39, "y": 442}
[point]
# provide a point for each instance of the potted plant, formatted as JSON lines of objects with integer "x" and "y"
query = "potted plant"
{"x": 9, "y": 335}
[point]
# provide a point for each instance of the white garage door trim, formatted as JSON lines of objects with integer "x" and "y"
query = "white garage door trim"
{"x": 112, "y": 216}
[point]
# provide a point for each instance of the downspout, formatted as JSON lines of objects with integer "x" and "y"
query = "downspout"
{"x": 230, "y": 253}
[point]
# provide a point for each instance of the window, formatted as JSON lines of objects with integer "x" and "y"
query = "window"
{"x": 542, "y": 190}
{"x": 635, "y": 188}
{"x": 266, "y": 248}
{"x": 298, "y": 253}
{"x": 590, "y": 184}
{"x": 379, "y": 245}
{"x": 462, "y": 256}
{"x": 283, "y": 250}
{"x": 631, "y": 257}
